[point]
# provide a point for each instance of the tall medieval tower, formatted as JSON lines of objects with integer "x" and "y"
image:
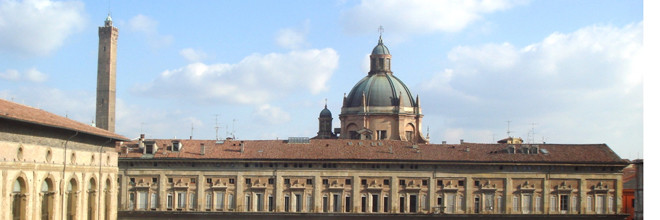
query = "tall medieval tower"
{"x": 107, "y": 66}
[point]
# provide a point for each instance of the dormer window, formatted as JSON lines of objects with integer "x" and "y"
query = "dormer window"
{"x": 176, "y": 146}
{"x": 534, "y": 150}
{"x": 511, "y": 149}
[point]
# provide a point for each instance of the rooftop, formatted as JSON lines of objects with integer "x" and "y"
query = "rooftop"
{"x": 17, "y": 112}
{"x": 363, "y": 150}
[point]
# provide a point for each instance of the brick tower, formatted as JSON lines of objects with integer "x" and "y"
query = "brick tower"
{"x": 107, "y": 66}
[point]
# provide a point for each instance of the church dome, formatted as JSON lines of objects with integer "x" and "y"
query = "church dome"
{"x": 380, "y": 90}
{"x": 380, "y": 49}
{"x": 325, "y": 113}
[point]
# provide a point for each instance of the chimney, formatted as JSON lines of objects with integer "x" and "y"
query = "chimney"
{"x": 444, "y": 142}
{"x": 242, "y": 147}
{"x": 142, "y": 137}
{"x": 461, "y": 141}
{"x": 124, "y": 150}
{"x": 203, "y": 149}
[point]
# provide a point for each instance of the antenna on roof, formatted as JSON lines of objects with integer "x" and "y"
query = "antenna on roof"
{"x": 508, "y": 131}
{"x": 192, "y": 129}
{"x": 216, "y": 127}
{"x": 233, "y": 128}
{"x": 427, "y": 133}
{"x": 533, "y": 123}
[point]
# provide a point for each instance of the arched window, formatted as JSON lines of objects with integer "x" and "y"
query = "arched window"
{"x": 91, "y": 199}
{"x": 107, "y": 193}
{"x": 47, "y": 194}
{"x": 71, "y": 199}
{"x": 410, "y": 132}
{"x": 18, "y": 200}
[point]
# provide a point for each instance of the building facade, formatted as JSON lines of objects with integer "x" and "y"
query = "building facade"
{"x": 55, "y": 168}
{"x": 369, "y": 177}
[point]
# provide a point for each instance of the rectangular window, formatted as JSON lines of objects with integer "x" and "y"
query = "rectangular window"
{"x": 477, "y": 204}
{"x": 382, "y": 134}
{"x": 553, "y": 204}
{"x": 271, "y": 204}
{"x": 287, "y": 181}
{"x": 402, "y": 204}
{"x": 563, "y": 203}
{"x": 309, "y": 181}
{"x": 219, "y": 200}
{"x": 248, "y": 181}
{"x": 589, "y": 205}
{"x": 409, "y": 135}
{"x": 299, "y": 203}
{"x": 538, "y": 204}
{"x": 154, "y": 180}
{"x": 374, "y": 203}
{"x": 193, "y": 201}
{"x": 461, "y": 183}
{"x": 336, "y": 203}
{"x": 131, "y": 201}
{"x": 363, "y": 182}
{"x": 364, "y": 204}
{"x": 271, "y": 181}
{"x": 310, "y": 203}
{"x": 386, "y": 182}
{"x": 154, "y": 201}
{"x": 451, "y": 203}
{"x": 348, "y": 204}
{"x": 142, "y": 200}
{"x": 170, "y": 180}
{"x": 440, "y": 183}
{"x": 260, "y": 202}
{"x": 460, "y": 203}
{"x": 170, "y": 200}
{"x": 413, "y": 203}
{"x": 490, "y": 203}
{"x": 325, "y": 181}
{"x": 325, "y": 204}
{"x": 231, "y": 181}
{"x": 248, "y": 203}
{"x": 348, "y": 181}
{"x": 425, "y": 182}
{"x": 181, "y": 200}
{"x": 402, "y": 182}
{"x": 526, "y": 204}
{"x": 476, "y": 183}
{"x": 192, "y": 180}
{"x": 574, "y": 204}
{"x": 516, "y": 204}
{"x": 386, "y": 204}
{"x": 610, "y": 204}
{"x": 287, "y": 203}
{"x": 209, "y": 201}
{"x": 231, "y": 201}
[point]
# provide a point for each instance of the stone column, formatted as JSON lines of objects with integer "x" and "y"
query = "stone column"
{"x": 546, "y": 194}
{"x": 162, "y": 194}
{"x": 508, "y": 195}
{"x": 583, "y": 196}
{"x": 201, "y": 194}
{"x": 468, "y": 199}
{"x": 395, "y": 194}
{"x": 239, "y": 197}
{"x": 357, "y": 197}
{"x": 318, "y": 184}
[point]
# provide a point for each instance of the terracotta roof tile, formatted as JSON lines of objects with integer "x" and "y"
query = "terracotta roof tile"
{"x": 340, "y": 149}
{"x": 23, "y": 113}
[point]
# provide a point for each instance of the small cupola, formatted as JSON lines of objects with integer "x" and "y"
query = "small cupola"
{"x": 380, "y": 59}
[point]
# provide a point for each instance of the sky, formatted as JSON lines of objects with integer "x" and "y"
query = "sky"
{"x": 560, "y": 71}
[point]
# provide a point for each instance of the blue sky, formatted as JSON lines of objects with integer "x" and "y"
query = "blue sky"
{"x": 560, "y": 71}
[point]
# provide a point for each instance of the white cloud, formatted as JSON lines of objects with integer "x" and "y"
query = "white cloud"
{"x": 579, "y": 87}
{"x": 419, "y": 16}
{"x": 271, "y": 114}
{"x": 149, "y": 27}
{"x": 291, "y": 38}
{"x": 32, "y": 75}
{"x": 76, "y": 105}
{"x": 254, "y": 80}
{"x": 193, "y": 55}
{"x": 37, "y": 27}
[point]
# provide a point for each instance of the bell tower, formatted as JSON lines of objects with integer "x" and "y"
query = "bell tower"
{"x": 105, "y": 86}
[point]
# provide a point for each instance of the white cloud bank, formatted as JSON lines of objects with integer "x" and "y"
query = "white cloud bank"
{"x": 31, "y": 75}
{"x": 577, "y": 87}
{"x": 419, "y": 16}
{"x": 149, "y": 28}
{"x": 37, "y": 27}
{"x": 292, "y": 38}
{"x": 254, "y": 80}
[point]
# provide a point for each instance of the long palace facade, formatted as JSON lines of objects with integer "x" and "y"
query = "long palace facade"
{"x": 368, "y": 177}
